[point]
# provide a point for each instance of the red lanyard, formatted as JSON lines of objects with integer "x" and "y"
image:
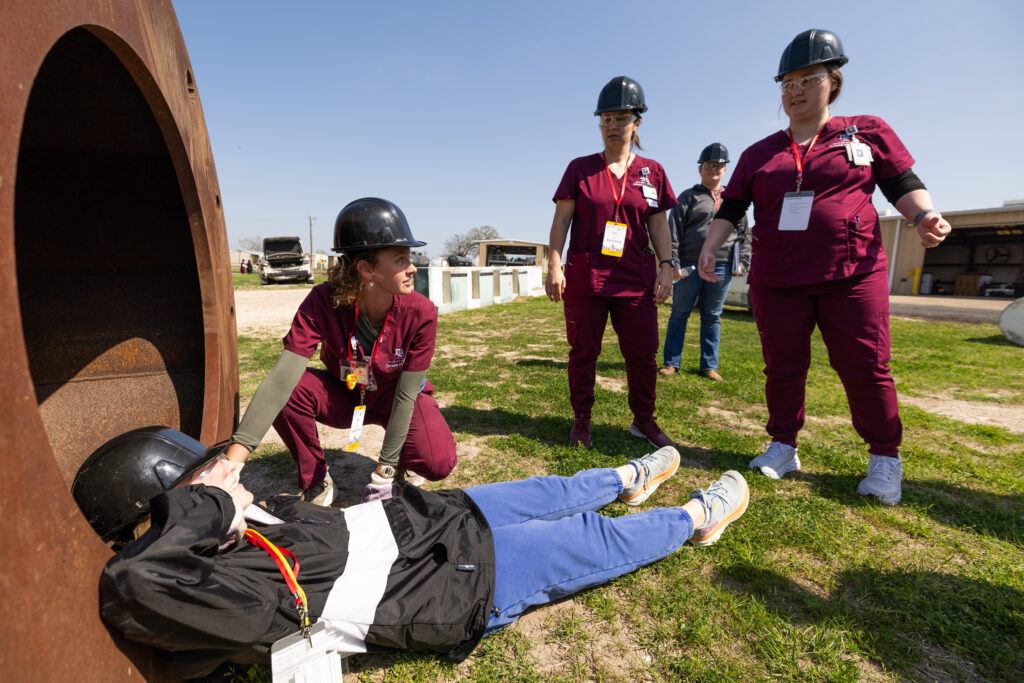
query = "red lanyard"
{"x": 290, "y": 574}
{"x": 716, "y": 197}
{"x": 354, "y": 341}
{"x": 611, "y": 181}
{"x": 799, "y": 159}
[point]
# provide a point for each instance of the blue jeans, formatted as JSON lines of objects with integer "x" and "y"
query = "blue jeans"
{"x": 684, "y": 297}
{"x": 549, "y": 541}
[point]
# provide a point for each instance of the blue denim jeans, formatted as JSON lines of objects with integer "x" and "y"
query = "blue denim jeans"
{"x": 685, "y": 294}
{"x": 549, "y": 541}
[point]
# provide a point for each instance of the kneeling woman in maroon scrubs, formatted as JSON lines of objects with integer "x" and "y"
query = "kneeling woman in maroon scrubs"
{"x": 616, "y": 203}
{"x": 376, "y": 339}
{"x": 818, "y": 257}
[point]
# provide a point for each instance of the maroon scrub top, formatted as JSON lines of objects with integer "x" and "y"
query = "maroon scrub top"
{"x": 587, "y": 270}
{"x": 406, "y": 341}
{"x": 843, "y": 237}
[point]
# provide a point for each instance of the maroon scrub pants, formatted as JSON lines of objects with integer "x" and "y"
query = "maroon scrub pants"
{"x": 320, "y": 397}
{"x": 853, "y": 316}
{"x": 635, "y": 321}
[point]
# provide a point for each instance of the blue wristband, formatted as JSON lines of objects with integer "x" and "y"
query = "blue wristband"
{"x": 921, "y": 214}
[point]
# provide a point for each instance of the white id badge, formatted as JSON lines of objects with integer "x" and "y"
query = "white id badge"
{"x": 650, "y": 192}
{"x": 357, "y": 373}
{"x": 356, "y": 430}
{"x": 614, "y": 239}
{"x": 859, "y": 153}
{"x": 293, "y": 660}
{"x": 796, "y": 210}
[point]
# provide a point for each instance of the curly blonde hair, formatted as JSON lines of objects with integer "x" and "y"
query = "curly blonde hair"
{"x": 344, "y": 276}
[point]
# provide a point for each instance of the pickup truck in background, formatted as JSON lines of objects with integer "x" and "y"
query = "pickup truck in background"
{"x": 283, "y": 261}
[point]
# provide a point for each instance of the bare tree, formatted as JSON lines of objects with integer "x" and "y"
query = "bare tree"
{"x": 462, "y": 244}
{"x": 251, "y": 243}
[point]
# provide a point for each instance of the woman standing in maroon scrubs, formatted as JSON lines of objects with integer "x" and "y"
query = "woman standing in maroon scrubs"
{"x": 818, "y": 257}
{"x": 616, "y": 204}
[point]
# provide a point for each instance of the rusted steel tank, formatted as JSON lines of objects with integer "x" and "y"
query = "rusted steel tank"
{"x": 116, "y": 309}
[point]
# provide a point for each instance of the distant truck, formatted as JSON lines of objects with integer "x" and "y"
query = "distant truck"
{"x": 283, "y": 261}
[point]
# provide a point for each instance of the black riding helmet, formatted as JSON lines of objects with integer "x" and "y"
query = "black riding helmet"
{"x": 812, "y": 47}
{"x": 621, "y": 93}
{"x": 372, "y": 223}
{"x": 114, "y": 485}
{"x": 716, "y": 151}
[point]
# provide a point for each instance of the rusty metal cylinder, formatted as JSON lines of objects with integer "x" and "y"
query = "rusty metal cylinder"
{"x": 116, "y": 308}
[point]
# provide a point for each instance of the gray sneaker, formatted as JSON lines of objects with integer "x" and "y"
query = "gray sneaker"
{"x": 320, "y": 494}
{"x": 653, "y": 468}
{"x": 883, "y": 480}
{"x": 777, "y": 461}
{"x": 724, "y": 502}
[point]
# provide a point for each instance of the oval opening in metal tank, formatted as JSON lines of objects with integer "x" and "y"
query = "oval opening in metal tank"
{"x": 107, "y": 277}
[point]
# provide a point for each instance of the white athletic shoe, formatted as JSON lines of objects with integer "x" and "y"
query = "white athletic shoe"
{"x": 884, "y": 479}
{"x": 414, "y": 479}
{"x": 779, "y": 460}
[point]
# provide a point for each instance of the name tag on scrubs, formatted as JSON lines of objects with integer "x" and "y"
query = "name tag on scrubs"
{"x": 293, "y": 659}
{"x": 356, "y": 430}
{"x": 357, "y": 373}
{"x": 859, "y": 153}
{"x": 796, "y": 210}
{"x": 614, "y": 239}
{"x": 650, "y": 192}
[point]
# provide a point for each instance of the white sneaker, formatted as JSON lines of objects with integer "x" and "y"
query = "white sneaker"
{"x": 779, "y": 460}
{"x": 884, "y": 479}
{"x": 414, "y": 479}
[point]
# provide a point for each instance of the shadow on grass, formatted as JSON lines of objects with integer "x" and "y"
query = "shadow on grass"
{"x": 272, "y": 474}
{"x": 981, "y": 512}
{"x": 564, "y": 365}
{"x": 739, "y": 314}
{"x": 910, "y": 619}
{"x": 992, "y": 339}
{"x": 552, "y": 431}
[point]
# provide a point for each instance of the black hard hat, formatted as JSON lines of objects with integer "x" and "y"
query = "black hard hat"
{"x": 372, "y": 223}
{"x": 716, "y": 151}
{"x": 813, "y": 46}
{"x": 114, "y": 485}
{"x": 621, "y": 93}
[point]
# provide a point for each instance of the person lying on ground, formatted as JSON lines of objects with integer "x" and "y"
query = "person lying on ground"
{"x": 426, "y": 571}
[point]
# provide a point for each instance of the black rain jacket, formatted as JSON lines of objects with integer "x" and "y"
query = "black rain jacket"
{"x": 174, "y": 590}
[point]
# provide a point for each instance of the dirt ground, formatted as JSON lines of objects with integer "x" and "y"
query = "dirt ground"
{"x": 267, "y": 311}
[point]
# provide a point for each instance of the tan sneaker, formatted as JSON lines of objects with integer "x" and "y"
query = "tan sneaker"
{"x": 668, "y": 370}
{"x": 712, "y": 375}
{"x": 652, "y": 469}
{"x": 724, "y": 502}
{"x": 320, "y": 494}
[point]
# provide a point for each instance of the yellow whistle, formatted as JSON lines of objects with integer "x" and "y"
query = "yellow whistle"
{"x": 350, "y": 380}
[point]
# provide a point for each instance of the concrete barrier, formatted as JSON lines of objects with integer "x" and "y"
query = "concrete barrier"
{"x": 461, "y": 288}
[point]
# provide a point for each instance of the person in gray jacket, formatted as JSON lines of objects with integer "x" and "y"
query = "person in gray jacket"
{"x": 688, "y": 224}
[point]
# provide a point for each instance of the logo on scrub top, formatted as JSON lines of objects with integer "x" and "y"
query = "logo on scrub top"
{"x": 397, "y": 361}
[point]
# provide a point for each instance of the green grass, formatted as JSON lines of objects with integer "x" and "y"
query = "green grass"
{"x": 814, "y": 583}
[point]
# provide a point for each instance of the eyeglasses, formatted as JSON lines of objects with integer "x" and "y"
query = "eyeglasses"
{"x": 805, "y": 83}
{"x": 714, "y": 164}
{"x": 615, "y": 120}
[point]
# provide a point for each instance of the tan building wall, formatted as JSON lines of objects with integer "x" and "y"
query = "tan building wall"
{"x": 906, "y": 253}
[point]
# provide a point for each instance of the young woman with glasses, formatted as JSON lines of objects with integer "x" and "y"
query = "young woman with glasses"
{"x": 818, "y": 258}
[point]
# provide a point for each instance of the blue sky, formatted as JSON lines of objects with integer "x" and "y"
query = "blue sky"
{"x": 466, "y": 113}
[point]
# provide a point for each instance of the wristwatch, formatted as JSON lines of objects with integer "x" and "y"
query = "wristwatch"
{"x": 674, "y": 262}
{"x": 386, "y": 471}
